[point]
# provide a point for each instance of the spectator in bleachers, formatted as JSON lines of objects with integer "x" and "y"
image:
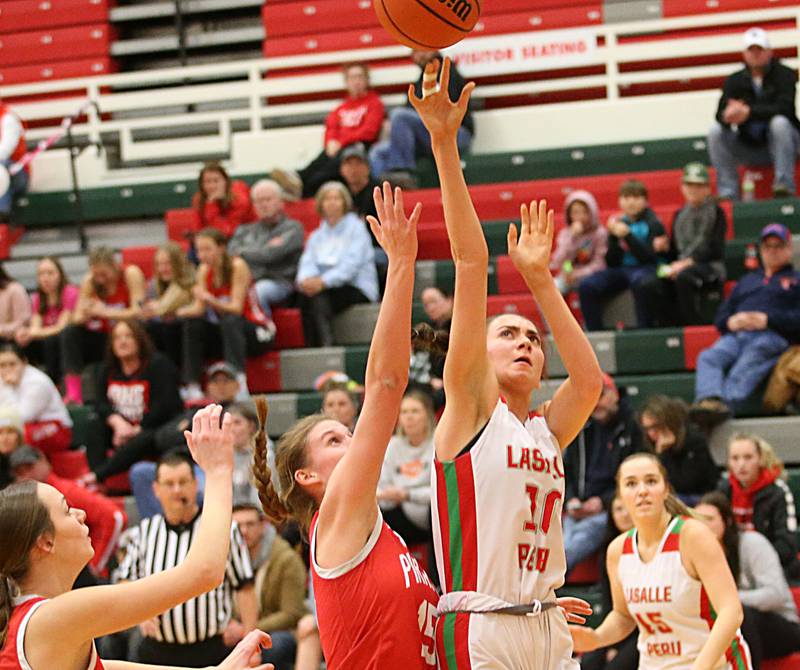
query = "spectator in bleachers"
{"x": 271, "y": 246}
{"x": 581, "y": 245}
{"x": 358, "y": 119}
{"x": 221, "y": 202}
{"x": 136, "y": 391}
{"x": 624, "y": 655}
{"x": 396, "y": 159}
{"x": 103, "y": 518}
{"x": 674, "y": 296}
{"x": 771, "y": 626}
{"x": 280, "y": 585}
{"x": 168, "y": 291}
{"x": 427, "y": 368}
{"x": 12, "y": 148}
{"x": 108, "y": 293}
{"x": 46, "y": 422}
{"x": 355, "y": 171}
{"x": 404, "y": 490}
{"x": 590, "y": 468}
{"x": 758, "y": 321}
{"x": 15, "y": 306}
{"x": 191, "y": 634}
{"x": 760, "y": 498}
{"x": 10, "y": 438}
{"x": 337, "y": 267}
{"x": 636, "y": 238}
{"x": 52, "y": 304}
{"x": 783, "y": 389}
{"x": 225, "y": 317}
{"x": 681, "y": 448}
{"x": 756, "y": 120}
{"x": 340, "y": 403}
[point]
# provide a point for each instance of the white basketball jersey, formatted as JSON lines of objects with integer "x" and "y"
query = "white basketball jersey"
{"x": 671, "y": 609}
{"x": 497, "y": 512}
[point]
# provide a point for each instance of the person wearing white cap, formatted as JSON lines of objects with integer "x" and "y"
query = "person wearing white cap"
{"x": 756, "y": 121}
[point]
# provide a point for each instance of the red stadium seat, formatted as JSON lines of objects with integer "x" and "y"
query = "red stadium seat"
{"x": 586, "y": 572}
{"x": 519, "y": 303}
{"x": 289, "y": 324}
{"x": 508, "y": 279}
{"x": 695, "y": 339}
{"x": 87, "y": 67}
{"x": 691, "y": 7}
{"x": 180, "y": 222}
{"x": 141, "y": 256}
{"x": 264, "y": 373}
{"x": 786, "y": 663}
{"x": 118, "y": 483}
{"x": 70, "y": 464}
{"x": 19, "y": 15}
{"x": 56, "y": 44}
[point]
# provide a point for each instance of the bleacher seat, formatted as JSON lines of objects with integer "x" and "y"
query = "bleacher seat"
{"x": 141, "y": 256}
{"x": 56, "y": 44}
{"x": 24, "y": 15}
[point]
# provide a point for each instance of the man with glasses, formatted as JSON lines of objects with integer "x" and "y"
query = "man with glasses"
{"x": 191, "y": 634}
{"x": 758, "y": 321}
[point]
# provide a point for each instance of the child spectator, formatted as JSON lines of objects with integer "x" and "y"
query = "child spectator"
{"x": 108, "y": 293}
{"x": 358, "y": 119}
{"x": 47, "y": 424}
{"x": 636, "y": 238}
{"x": 697, "y": 251}
{"x": 271, "y": 246}
{"x": 404, "y": 491}
{"x": 760, "y": 498}
{"x": 337, "y": 268}
{"x": 103, "y": 519}
{"x": 225, "y": 317}
{"x": 137, "y": 393}
{"x": 581, "y": 245}
{"x": 221, "y": 202}
{"x": 52, "y": 305}
{"x": 168, "y": 291}
{"x": 681, "y": 448}
{"x": 15, "y": 306}
{"x": 771, "y": 626}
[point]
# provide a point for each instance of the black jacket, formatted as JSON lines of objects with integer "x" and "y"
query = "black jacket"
{"x": 777, "y": 96}
{"x": 642, "y": 251}
{"x": 691, "y": 469}
{"x": 771, "y": 518}
{"x": 626, "y": 439}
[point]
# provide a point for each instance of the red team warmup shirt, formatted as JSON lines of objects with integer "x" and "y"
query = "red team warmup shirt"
{"x": 12, "y": 655}
{"x": 377, "y": 611}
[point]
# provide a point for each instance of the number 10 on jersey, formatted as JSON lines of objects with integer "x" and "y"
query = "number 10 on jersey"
{"x": 531, "y": 557}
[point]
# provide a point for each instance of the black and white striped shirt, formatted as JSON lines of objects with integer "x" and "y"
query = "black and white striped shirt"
{"x": 155, "y": 546}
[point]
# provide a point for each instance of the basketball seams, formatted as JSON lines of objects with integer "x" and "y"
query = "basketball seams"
{"x": 403, "y": 32}
{"x": 438, "y": 16}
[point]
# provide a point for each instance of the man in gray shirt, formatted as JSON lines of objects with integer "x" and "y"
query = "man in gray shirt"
{"x": 271, "y": 246}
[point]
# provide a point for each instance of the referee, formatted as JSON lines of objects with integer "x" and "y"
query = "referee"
{"x": 189, "y": 635}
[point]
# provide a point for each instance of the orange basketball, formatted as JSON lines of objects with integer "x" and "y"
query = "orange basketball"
{"x": 428, "y": 24}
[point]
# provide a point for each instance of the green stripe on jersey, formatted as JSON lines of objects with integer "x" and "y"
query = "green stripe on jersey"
{"x": 454, "y": 520}
{"x": 449, "y": 636}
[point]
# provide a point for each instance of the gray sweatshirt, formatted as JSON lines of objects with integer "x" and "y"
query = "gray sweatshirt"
{"x": 271, "y": 252}
{"x": 762, "y": 584}
{"x": 409, "y": 468}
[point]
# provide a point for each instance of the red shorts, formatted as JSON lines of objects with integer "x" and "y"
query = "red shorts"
{"x": 49, "y": 436}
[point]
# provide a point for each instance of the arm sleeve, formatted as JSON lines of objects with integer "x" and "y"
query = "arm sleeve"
{"x": 643, "y": 251}
{"x": 34, "y": 397}
{"x": 727, "y": 94}
{"x": 712, "y": 247}
{"x": 291, "y": 236}
{"x": 164, "y": 395}
{"x": 614, "y": 254}
{"x": 370, "y": 126}
{"x": 759, "y": 560}
{"x": 307, "y": 267}
{"x": 10, "y": 134}
{"x": 782, "y": 538}
{"x": 726, "y": 310}
{"x": 782, "y": 103}
{"x": 786, "y": 321}
{"x": 332, "y": 127}
{"x": 292, "y": 580}
{"x": 349, "y": 264}
{"x": 239, "y": 569}
{"x": 20, "y": 310}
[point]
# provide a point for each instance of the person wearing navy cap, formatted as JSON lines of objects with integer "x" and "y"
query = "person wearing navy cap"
{"x": 758, "y": 322}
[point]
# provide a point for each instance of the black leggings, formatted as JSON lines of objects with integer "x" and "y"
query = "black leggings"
{"x": 80, "y": 346}
{"x": 678, "y": 302}
{"x": 769, "y": 635}
{"x": 319, "y": 310}
{"x": 106, "y": 462}
{"x": 47, "y": 353}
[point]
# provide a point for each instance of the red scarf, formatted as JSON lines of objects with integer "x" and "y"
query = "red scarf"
{"x": 742, "y": 498}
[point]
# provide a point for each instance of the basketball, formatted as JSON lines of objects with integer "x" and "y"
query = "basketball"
{"x": 428, "y": 24}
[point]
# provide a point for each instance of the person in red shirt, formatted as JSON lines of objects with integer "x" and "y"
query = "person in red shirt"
{"x": 358, "y": 119}
{"x": 104, "y": 519}
{"x": 221, "y": 202}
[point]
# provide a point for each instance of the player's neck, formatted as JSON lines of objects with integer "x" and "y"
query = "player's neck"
{"x": 518, "y": 404}
{"x": 47, "y": 581}
{"x": 651, "y": 530}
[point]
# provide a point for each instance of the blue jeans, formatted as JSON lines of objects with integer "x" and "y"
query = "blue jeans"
{"x": 408, "y": 139}
{"x": 270, "y": 291}
{"x": 598, "y": 287}
{"x": 734, "y": 366}
{"x": 142, "y": 475}
{"x": 281, "y": 653}
{"x": 583, "y": 537}
{"x": 18, "y": 186}
{"x": 727, "y": 151}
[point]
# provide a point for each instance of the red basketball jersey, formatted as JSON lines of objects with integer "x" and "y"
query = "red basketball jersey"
{"x": 252, "y": 309}
{"x": 377, "y": 611}
{"x": 12, "y": 655}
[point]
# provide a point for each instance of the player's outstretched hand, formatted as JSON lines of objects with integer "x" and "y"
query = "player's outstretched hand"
{"x": 441, "y": 116}
{"x": 530, "y": 248}
{"x": 574, "y": 609}
{"x": 395, "y": 232}
{"x": 247, "y": 654}
{"x": 583, "y": 639}
{"x": 211, "y": 441}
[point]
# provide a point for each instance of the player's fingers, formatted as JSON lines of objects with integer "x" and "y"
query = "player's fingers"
{"x": 412, "y": 97}
{"x": 413, "y": 220}
{"x": 524, "y": 217}
{"x": 466, "y": 93}
{"x": 374, "y": 226}
{"x": 512, "y": 237}
{"x": 542, "y": 218}
{"x": 377, "y": 197}
{"x": 399, "y": 213}
{"x": 445, "y": 78}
